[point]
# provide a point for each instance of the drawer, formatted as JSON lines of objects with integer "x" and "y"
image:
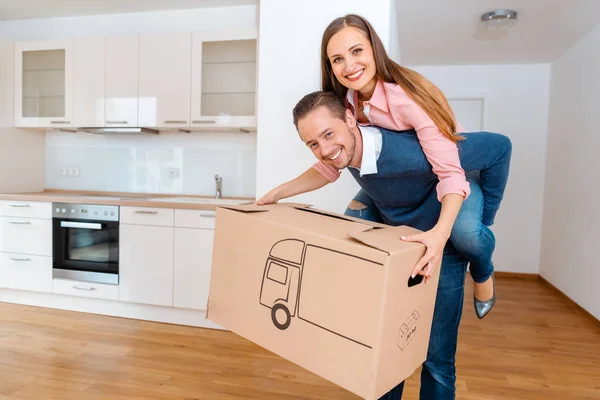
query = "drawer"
{"x": 85, "y": 289}
{"x": 195, "y": 219}
{"x": 147, "y": 216}
{"x": 28, "y": 209}
{"x": 26, "y": 236}
{"x": 25, "y": 272}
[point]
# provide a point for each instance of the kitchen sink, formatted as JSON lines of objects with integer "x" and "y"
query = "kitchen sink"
{"x": 200, "y": 200}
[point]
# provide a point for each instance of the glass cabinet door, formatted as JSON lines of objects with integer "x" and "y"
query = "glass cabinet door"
{"x": 224, "y": 80}
{"x": 43, "y": 84}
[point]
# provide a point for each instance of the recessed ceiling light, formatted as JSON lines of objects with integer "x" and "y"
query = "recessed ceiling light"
{"x": 499, "y": 19}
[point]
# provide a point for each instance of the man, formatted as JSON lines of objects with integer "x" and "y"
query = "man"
{"x": 397, "y": 180}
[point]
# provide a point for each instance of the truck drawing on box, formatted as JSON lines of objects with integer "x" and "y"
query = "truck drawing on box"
{"x": 298, "y": 279}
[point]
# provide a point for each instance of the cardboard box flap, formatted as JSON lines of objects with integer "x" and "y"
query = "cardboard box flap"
{"x": 338, "y": 216}
{"x": 256, "y": 208}
{"x": 387, "y": 239}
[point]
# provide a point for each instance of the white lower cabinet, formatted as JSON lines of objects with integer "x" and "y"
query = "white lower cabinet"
{"x": 26, "y": 272}
{"x": 146, "y": 264}
{"x": 85, "y": 289}
{"x": 193, "y": 258}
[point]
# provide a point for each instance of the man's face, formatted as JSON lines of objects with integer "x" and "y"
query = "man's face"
{"x": 329, "y": 138}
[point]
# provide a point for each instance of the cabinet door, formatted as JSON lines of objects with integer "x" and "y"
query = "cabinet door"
{"x": 165, "y": 68}
{"x": 43, "y": 90}
{"x": 90, "y": 79}
{"x": 193, "y": 260}
{"x": 26, "y": 236}
{"x": 146, "y": 264}
{"x": 224, "y": 79}
{"x": 26, "y": 272}
{"x": 121, "y": 81}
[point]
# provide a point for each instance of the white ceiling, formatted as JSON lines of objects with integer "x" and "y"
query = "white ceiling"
{"x": 30, "y": 9}
{"x": 443, "y": 32}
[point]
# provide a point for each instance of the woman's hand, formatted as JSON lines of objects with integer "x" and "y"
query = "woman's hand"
{"x": 435, "y": 241}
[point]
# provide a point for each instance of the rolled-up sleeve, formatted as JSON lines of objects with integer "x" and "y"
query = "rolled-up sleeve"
{"x": 329, "y": 172}
{"x": 440, "y": 151}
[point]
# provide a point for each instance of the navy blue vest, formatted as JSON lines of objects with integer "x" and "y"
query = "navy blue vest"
{"x": 404, "y": 187}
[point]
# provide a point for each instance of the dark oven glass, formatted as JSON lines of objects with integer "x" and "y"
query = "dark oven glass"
{"x": 84, "y": 245}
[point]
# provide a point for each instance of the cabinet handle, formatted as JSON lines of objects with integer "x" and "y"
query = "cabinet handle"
{"x": 204, "y": 122}
{"x": 20, "y": 259}
{"x": 175, "y": 122}
{"x": 116, "y": 122}
{"x": 19, "y": 205}
{"x": 146, "y": 212}
{"x": 204, "y": 215}
{"x": 84, "y": 287}
{"x": 60, "y": 122}
{"x": 20, "y": 222}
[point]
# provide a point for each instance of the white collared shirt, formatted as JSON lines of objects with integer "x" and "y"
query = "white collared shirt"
{"x": 372, "y": 142}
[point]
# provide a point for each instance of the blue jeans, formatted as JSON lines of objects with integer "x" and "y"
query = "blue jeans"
{"x": 470, "y": 237}
{"x": 438, "y": 375}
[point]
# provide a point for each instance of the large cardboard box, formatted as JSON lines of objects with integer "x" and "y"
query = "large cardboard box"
{"x": 327, "y": 292}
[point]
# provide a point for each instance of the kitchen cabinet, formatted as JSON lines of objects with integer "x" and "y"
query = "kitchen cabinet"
{"x": 43, "y": 85}
{"x": 165, "y": 64}
{"x": 223, "y": 92}
{"x": 89, "y": 82}
{"x": 26, "y": 245}
{"x": 121, "y": 87}
{"x": 146, "y": 255}
{"x": 194, "y": 238}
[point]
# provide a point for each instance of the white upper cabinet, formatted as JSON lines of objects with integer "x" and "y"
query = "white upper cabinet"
{"x": 224, "y": 79}
{"x": 44, "y": 84}
{"x": 122, "y": 57}
{"x": 89, "y": 82}
{"x": 165, "y": 75}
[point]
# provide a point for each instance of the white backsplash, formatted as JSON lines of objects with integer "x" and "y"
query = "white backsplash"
{"x": 142, "y": 163}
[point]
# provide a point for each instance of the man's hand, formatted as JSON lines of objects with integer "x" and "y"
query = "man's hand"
{"x": 434, "y": 241}
{"x": 269, "y": 198}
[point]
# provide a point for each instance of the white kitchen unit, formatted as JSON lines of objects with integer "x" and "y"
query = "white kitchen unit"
{"x": 146, "y": 255}
{"x": 194, "y": 239}
{"x": 25, "y": 246}
{"x": 165, "y": 64}
{"x": 89, "y": 82}
{"x": 43, "y": 84}
{"x": 122, "y": 58}
{"x": 224, "y": 79}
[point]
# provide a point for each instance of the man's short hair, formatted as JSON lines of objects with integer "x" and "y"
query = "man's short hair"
{"x": 317, "y": 99}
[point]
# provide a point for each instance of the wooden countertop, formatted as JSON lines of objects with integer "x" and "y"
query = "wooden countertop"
{"x": 120, "y": 198}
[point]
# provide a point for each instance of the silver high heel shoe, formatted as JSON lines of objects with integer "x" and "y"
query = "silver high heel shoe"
{"x": 484, "y": 307}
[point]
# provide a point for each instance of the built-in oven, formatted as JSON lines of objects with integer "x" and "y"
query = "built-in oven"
{"x": 85, "y": 241}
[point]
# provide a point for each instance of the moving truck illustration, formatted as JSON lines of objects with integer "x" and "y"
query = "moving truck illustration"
{"x": 299, "y": 280}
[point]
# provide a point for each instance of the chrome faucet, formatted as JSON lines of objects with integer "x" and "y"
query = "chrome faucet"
{"x": 218, "y": 183}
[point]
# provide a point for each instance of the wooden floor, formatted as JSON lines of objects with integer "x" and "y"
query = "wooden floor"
{"x": 534, "y": 345}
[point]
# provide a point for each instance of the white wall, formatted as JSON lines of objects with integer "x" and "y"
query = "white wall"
{"x": 141, "y": 164}
{"x": 515, "y": 104}
{"x": 21, "y": 150}
{"x": 571, "y": 228}
{"x": 290, "y": 43}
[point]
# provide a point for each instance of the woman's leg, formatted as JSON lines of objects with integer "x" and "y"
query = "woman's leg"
{"x": 475, "y": 241}
{"x": 362, "y": 206}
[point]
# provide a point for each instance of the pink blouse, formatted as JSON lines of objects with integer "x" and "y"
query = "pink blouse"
{"x": 391, "y": 108}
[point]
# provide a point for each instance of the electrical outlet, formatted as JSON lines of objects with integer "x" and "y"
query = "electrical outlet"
{"x": 173, "y": 173}
{"x": 69, "y": 172}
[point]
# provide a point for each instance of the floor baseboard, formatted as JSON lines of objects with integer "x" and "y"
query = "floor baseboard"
{"x": 570, "y": 301}
{"x": 517, "y": 275}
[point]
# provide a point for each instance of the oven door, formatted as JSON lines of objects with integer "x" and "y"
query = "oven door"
{"x": 86, "y": 250}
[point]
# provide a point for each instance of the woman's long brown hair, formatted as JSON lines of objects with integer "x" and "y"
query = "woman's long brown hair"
{"x": 417, "y": 87}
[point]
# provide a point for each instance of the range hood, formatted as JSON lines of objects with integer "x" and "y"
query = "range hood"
{"x": 119, "y": 130}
